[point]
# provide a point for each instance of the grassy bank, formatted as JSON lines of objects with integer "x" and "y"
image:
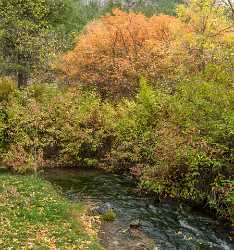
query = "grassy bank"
{"x": 34, "y": 216}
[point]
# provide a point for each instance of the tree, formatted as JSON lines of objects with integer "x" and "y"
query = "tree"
{"x": 116, "y": 50}
{"x": 152, "y": 7}
{"x": 230, "y": 6}
{"x": 212, "y": 38}
{"x": 25, "y": 34}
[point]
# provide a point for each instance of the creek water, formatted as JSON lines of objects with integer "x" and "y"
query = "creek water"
{"x": 162, "y": 225}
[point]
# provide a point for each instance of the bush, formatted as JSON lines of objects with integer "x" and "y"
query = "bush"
{"x": 2, "y": 130}
{"x": 196, "y": 151}
{"x": 210, "y": 42}
{"x": 109, "y": 216}
{"x": 51, "y": 127}
{"x": 134, "y": 140}
{"x": 179, "y": 146}
{"x": 7, "y": 86}
{"x": 113, "y": 52}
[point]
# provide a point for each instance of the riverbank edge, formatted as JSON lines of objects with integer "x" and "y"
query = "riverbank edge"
{"x": 35, "y": 214}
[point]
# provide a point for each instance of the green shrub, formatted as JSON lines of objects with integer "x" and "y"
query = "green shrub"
{"x": 195, "y": 147}
{"x": 54, "y": 127}
{"x": 2, "y": 130}
{"x": 180, "y": 145}
{"x": 7, "y": 86}
{"x": 109, "y": 216}
{"x": 134, "y": 140}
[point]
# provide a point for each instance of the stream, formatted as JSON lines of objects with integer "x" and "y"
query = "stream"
{"x": 162, "y": 226}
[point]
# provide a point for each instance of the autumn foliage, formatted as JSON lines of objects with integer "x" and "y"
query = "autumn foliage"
{"x": 113, "y": 52}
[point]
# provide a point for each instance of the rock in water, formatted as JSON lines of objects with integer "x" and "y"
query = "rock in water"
{"x": 102, "y": 209}
{"x": 135, "y": 223}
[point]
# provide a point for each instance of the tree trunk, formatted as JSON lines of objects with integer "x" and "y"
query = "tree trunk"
{"x": 22, "y": 78}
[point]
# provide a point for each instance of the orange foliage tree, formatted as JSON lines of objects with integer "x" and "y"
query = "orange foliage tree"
{"x": 114, "y": 51}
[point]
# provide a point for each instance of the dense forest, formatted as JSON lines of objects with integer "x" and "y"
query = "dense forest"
{"x": 138, "y": 88}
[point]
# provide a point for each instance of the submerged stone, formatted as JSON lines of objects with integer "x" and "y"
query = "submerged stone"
{"x": 135, "y": 223}
{"x": 102, "y": 209}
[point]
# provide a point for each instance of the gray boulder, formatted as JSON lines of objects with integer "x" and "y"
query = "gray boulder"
{"x": 102, "y": 209}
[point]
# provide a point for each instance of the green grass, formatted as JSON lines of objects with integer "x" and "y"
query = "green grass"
{"x": 109, "y": 216}
{"x": 33, "y": 215}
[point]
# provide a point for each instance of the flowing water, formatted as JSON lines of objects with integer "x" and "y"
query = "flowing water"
{"x": 162, "y": 226}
